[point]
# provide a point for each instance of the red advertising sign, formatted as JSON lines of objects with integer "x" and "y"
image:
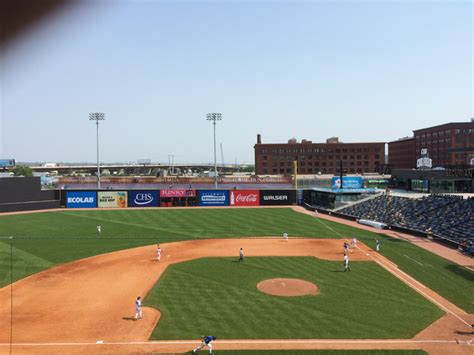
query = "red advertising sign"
{"x": 177, "y": 193}
{"x": 244, "y": 198}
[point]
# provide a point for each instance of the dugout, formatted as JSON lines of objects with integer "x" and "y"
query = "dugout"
{"x": 331, "y": 199}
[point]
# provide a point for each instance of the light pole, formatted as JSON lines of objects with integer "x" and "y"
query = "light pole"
{"x": 97, "y": 116}
{"x": 214, "y": 117}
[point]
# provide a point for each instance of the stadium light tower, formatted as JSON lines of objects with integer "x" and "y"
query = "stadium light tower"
{"x": 97, "y": 116}
{"x": 214, "y": 117}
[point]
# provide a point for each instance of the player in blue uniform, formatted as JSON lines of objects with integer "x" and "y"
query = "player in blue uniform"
{"x": 206, "y": 341}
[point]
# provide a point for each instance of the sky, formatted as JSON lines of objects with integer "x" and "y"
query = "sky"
{"x": 362, "y": 71}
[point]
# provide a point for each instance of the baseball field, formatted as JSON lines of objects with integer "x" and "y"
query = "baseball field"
{"x": 74, "y": 288}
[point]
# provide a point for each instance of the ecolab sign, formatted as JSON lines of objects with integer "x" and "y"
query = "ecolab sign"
{"x": 243, "y": 198}
{"x": 143, "y": 199}
{"x": 81, "y": 199}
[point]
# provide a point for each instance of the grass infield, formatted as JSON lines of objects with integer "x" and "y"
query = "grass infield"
{"x": 219, "y": 296}
{"x": 42, "y": 240}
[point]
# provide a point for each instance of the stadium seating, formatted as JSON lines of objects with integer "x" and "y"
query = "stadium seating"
{"x": 450, "y": 217}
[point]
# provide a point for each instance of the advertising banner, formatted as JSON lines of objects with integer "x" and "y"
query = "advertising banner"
{"x": 348, "y": 182}
{"x": 213, "y": 198}
{"x": 143, "y": 198}
{"x": 277, "y": 197}
{"x": 7, "y": 163}
{"x": 177, "y": 193}
{"x": 112, "y": 199}
{"x": 81, "y": 199}
{"x": 244, "y": 198}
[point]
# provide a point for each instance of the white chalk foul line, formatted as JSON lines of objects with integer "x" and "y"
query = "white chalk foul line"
{"x": 249, "y": 341}
{"x": 411, "y": 284}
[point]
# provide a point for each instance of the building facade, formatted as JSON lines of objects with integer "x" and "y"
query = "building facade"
{"x": 448, "y": 144}
{"x": 401, "y": 153}
{"x": 317, "y": 158}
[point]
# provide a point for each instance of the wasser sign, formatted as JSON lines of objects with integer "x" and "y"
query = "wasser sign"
{"x": 277, "y": 197}
{"x": 81, "y": 199}
{"x": 143, "y": 199}
{"x": 244, "y": 198}
{"x": 112, "y": 199}
{"x": 213, "y": 198}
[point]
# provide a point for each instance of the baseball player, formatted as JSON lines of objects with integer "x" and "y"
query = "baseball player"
{"x": 241, "y": 254}
{"x": 138, "y": 308}
{"x": 206, "y": 341}
{"x": 377, "y": 245}
{"x": 285, "y": 236}
{"x": 158, "y": 252}
{"x": 346, "y": 247}
{"x": 354, "y": 242}
{"x": 346, "y": 263}
{"x": 99, "y": 229}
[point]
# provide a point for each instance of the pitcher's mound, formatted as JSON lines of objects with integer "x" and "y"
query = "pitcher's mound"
{"x": 287, "y": 287}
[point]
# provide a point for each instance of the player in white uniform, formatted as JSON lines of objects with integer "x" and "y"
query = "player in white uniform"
{"x": 285, "y": 237}
{"x": 241, "y": 254}
{"x": 354, "y": 242}
{"x": 377, "y": 245}
{"x": 138, "y": 308}
{"x": 99, "y": 229}
{"x": 158, "y": 253}
{"x": 346, "y": 263}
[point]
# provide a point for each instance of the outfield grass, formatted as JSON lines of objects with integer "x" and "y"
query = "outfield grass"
{"x": 219, "y": 296}
{"x": 320, "y": 352}
{"x": 42, "y": 240}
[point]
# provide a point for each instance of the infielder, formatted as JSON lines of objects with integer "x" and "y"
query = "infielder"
{"x": 99, "y": 229}
{"x": 346, "y": 263}
{"x": 158, "y": 252}
{"x": 354, "y": 242}
{"x": 346, "y": 247}
{"x": 285, "y": 237}
{"x": 138, "y": 308}
{"x": 206, "y": 341}
{"x": 377, "y": 245}
{"x": 241, "y": 254}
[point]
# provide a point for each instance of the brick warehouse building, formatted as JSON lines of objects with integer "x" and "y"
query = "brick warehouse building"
{"x": 314, "y": 158}
{"x": 447, "y": 144}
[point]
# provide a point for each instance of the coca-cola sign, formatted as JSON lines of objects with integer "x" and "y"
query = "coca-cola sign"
{"x": 244, "y": 198}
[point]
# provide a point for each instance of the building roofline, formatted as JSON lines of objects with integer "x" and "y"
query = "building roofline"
{"x": 444, "y": 125}
{"x": 320, "y": 143}
{"x": 402, "y": 139}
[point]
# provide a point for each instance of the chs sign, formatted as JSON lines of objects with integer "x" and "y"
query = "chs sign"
{"x": 143, "y": 199}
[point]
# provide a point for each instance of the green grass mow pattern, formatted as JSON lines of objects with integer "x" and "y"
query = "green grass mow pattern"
{"x": 219, "y": 296}
{"x": 43, "y": 240}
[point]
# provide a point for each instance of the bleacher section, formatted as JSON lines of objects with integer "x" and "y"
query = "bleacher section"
{"x": 450, "y": 217}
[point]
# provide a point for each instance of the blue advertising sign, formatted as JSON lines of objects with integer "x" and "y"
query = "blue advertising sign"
{"x": 348, "y": 182}
{"x": 7, "y": 163}
{"x": 143, "y": 198}
{"x": 81, "y": 199}
{"x": 213, "y": 198}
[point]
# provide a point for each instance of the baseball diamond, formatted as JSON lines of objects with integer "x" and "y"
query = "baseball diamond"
{"x": 75, "y": 290}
